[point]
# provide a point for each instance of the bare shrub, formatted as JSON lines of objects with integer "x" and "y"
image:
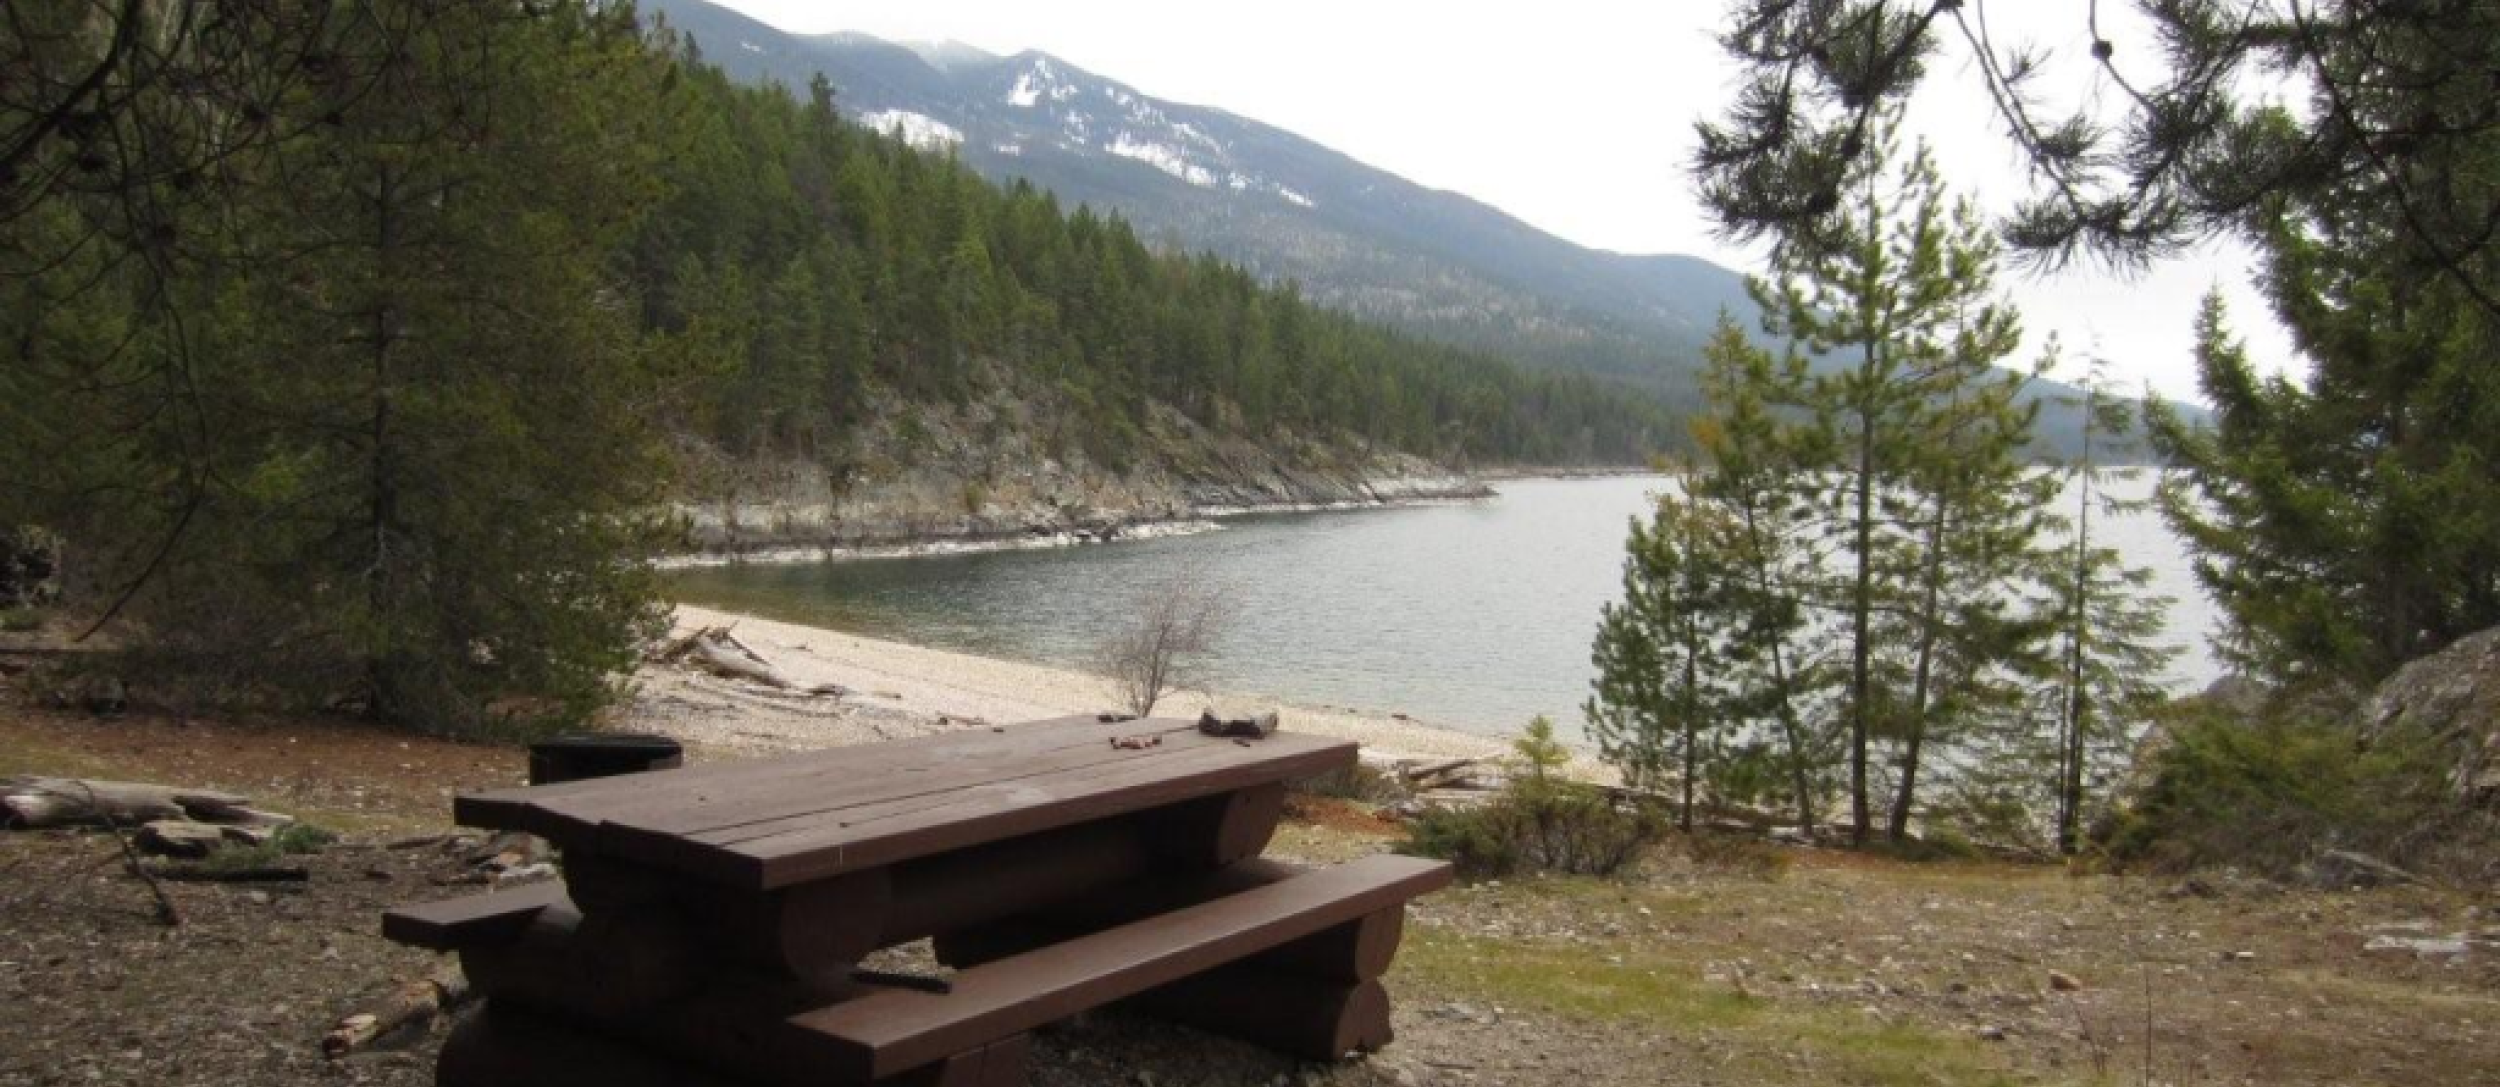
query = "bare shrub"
{"x": 1166, "y": 642}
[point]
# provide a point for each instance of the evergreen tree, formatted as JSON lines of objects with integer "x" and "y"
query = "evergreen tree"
{"x": 2109, "y": 663}
{"x": 414, "y": 469}
{"x": 2349, "y": 521}
{"x": 1975, "y": 509}
{"x": 1761, "y": 476}
{"x": 1658, "y": 688}
{"x": 1900, "y": 283}
{"x": 2387, "y": 102}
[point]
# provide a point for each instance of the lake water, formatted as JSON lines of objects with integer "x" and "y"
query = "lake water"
{"x": 1476, "y": 616}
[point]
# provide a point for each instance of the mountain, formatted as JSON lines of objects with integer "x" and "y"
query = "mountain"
{"x": 1355, "y": 237}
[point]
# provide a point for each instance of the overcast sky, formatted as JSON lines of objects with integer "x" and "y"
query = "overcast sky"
{"x": 1573, "y": 115}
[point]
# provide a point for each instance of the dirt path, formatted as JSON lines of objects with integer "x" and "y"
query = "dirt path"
{"x": 1836, "y": 970}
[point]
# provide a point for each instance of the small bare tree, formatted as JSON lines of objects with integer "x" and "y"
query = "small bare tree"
{"x": 1166, "y": 641}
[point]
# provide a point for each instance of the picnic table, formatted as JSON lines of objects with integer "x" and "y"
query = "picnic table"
{"x": 711, "y": 922}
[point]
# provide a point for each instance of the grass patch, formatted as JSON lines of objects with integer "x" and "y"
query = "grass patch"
{"x": 291, "y": 840}
{"x": 1766, "y": 1038}
{"x": 1569, "y": 980}
{"x": 20, "y": 620}
{"x": 22, "y": 752}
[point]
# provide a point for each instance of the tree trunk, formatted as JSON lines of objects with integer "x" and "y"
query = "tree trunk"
{"x": 383, "y": 499}
{"x": 2078, "y": 621}
{"x": 1692, "y": 728}
{"x": 1800, "y": 782}
{"x": 1897, "y": 828}
{"x": 1861, "y": 608}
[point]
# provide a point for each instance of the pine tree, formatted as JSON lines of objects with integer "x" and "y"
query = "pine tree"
{"x": 2109, "y": 663}
{"x": 2348, "y": 522}
{"x": 423, "y": 428}
{"x": 1658, "y": 692}
{"x": 1900, "y": 284}
{"x": 1760, "y": 473}
{"x": 1976, "y": 507}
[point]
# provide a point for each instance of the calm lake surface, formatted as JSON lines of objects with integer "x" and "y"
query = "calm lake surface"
{"x": 1476, "y": 616}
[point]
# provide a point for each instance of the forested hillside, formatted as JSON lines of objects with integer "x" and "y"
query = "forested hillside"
{"x": 358, "y": 356}
{"x": 831, "y": 261}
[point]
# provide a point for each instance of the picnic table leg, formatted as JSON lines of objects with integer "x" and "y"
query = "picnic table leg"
{"x": 1311, "y": 1018}
{"x": 812, "y": 930}
{"x": 1221, "y": 830}
{"x": 503, "y": 1046}
{"x": 998, "y": 1064}
{"x": 597, "y": 966}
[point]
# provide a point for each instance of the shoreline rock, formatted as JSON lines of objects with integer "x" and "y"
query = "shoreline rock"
{"x": 1015, "y": 469}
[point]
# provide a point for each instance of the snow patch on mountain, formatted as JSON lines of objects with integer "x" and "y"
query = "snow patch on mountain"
{"x": 1191, "y": 133}
{"x": 1295, "y": 198}
{"x": 919, "y": 130}
{"x": 1162, "y": 157}
{"x": 1025, "y": 93}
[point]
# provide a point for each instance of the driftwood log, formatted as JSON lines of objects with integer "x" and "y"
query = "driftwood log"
{"x": 716, "y": 650}
{"x": 38, "y": 802}
{"x": 411, "y": 1006}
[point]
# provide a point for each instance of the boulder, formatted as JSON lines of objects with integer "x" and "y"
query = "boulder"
{"x": 2452, "y": 699}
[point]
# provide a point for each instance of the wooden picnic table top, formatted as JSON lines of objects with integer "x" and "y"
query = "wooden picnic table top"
{"x": 767, "y": 823}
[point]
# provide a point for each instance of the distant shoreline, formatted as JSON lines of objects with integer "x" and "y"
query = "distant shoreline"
{"x": 1199, "y": 520}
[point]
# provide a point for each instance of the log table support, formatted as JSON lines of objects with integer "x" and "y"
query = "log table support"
{"x": 507, "y": 1046}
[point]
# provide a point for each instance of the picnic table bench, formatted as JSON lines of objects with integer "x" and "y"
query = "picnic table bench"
{"x": 712, "y": 920}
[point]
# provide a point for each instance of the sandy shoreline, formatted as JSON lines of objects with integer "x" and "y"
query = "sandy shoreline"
{"x": 900, "y": 690}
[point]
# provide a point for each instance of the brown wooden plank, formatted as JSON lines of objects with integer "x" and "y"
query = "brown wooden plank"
{"x": 574, "y": 809}
{"x": 896, "y": 1029}
{"x": 815, "y": 782}
{"x": 573, "y": 806}
{"x": 741, "y": 818}
{"x": 828, "y": 843}
{"x": 975, "y": 815}
{"x": 472, "y": 920}
{"x": 1359, "y": 950}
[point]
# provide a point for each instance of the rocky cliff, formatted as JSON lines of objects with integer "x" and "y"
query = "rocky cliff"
{"x": 1007, "y": 468}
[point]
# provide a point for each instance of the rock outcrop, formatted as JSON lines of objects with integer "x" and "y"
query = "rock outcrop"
{"x": 1002, "y": 468}
{"x": 2450, "y": 698}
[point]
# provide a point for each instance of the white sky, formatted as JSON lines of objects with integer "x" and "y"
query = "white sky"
{"x": 1575, "y": 116}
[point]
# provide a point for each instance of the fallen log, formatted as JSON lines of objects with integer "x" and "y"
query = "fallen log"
{"x": 40, "y": 802}
{"x": 716, "y": 650}
{"x": 1418, "y": 771}
{"x": 411, "y": 1006}
{"x": 267, "y": 873}
{"x": 179, "y": 838}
